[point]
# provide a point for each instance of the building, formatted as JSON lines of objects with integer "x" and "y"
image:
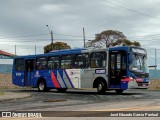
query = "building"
{"x": 5, "y": 55}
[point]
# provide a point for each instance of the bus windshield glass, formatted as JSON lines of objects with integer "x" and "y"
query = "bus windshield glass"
{"x": 139, "y": 63}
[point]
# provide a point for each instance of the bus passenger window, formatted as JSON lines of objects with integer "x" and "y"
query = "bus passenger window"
{"x": 82, "y": 61}
{"x": 98, "y": 60}
{"x": 67, "y": 62}
{"x": 93, "y": 64}
{"x": 53, "y": 62}
{"x": 19, "y": 64}
{"x": 41, "y": 63}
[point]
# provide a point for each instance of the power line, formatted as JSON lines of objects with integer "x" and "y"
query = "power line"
{"x": 73, "y": 39}
{"x": 132, "y": 10}
{"x": 144, "y": 35}
{"x": 148, "y": 40}
{"x": 150, "y": 44}
{"x": 43, "y": 40}
{"x": 24, "y": 36}
{"x": 72, "y": 35}
{"x": 44, "y": 34}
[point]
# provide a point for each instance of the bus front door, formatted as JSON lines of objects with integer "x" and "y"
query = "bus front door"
{"x": 116, "y": 69}
{"x": 29, "y": 72}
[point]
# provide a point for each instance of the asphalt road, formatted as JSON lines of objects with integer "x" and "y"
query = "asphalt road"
{"x": 84, "y": 100}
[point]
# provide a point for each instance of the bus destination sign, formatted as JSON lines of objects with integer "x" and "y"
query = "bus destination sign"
{"x": 140, "y": 51}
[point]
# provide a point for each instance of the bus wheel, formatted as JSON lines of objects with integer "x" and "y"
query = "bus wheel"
{"x": 119, "y": 91}
{"x": 62, "y": 90}
{"x": 101, "y": 88}
{"x": 41, "y": 86}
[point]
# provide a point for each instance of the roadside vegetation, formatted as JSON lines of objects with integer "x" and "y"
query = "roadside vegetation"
{"x": 1, "y": 93}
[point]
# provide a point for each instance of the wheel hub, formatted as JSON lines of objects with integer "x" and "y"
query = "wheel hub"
{"x": 99, "y": 87}
{"x": 41, "y": 86}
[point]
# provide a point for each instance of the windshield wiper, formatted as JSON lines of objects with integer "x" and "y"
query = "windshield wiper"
{"x": 143, "y": 62}
{"x": 138, "y": 58}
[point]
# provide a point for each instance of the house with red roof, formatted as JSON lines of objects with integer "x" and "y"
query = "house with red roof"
{"x": 4, "y": 54}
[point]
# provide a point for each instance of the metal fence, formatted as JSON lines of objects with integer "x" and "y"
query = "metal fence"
{"x": 154, "y": 74}
{"x": 5, "y": 69}
{"x": 6, "y": 66}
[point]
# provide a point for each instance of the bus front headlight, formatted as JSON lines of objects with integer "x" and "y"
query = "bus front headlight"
{"x": 131, "y": 78}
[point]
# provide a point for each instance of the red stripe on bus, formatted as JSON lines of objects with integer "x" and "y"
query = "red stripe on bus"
{"x": 139, "y": 80}
{"x": 54, "y": 80}
{"x": 126, "y": 79}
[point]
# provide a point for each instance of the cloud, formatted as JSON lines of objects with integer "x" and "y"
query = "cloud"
{"x": 68, "y": 17}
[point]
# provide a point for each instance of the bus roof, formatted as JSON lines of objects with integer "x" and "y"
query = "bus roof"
{"x": 55, "y": 52}
{"x": 74, "y": 51}
{"x": 126, "y": 48}
{"x": 67, "y": 50}
{"x": 119, "y": 48}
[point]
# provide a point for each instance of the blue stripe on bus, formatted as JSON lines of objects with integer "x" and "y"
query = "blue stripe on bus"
{"x": 65, "y": 78}
{"x": 68, "y": 78}
{"x": 60, "y": 79}
{"x": 61, "y": 75}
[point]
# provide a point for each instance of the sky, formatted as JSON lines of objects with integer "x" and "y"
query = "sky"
{"x": 23, "y": 23}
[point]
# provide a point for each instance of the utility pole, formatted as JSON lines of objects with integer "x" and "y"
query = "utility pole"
{"x": 84, "y": 37}
{"x": 15, "y": 49}
{"x": 155, "y": 59}
{"x": 50, "y": 31}
{"x": 35, "y": 49}
{"x": 51, "y": 37}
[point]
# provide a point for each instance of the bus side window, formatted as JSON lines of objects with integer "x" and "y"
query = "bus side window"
{"x": 67, "y": 62}
{"x": 98, "y": 60}
{"x": 53, "y": 62}
{"x": 41, "y": 63}
{"x": 19, "y": 64}
{"x": 82, "y": 61}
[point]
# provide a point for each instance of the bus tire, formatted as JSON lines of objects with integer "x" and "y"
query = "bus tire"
{"x": 62, "y": 90}
{"x": 42, "y": 86}
{"x": 119, "y": 91}
{"x": 101, "y": 87}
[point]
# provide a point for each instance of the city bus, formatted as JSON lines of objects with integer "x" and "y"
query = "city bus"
{"x": 104, "y": 69}
{"x": 138, "y": 69}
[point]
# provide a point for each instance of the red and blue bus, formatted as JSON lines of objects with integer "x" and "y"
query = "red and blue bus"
{"x": 104, "y": 69}
{"x": 138, "y": 69}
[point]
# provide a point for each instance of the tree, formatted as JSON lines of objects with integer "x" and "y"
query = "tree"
{"x": 110, "y": 38}
{"x": 56, "y": 46}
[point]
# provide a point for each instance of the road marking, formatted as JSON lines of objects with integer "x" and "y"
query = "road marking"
{"x": 131, "y": 108}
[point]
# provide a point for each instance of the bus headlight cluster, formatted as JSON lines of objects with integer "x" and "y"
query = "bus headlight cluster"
{"x": 131, "y": 78}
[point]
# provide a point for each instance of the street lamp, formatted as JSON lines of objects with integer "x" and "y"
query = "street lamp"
{"x": 50, "y": 31}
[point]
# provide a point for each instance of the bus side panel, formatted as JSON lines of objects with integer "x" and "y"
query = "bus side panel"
{"x": 18, "y": 78}
{"x": 124, "y": 85}
{"x": 34, "y": 78}
{"x": 64, "y": 76}
{"x": 72, "y": 76}
{"x": 43, "y": 74}
{"x": 87, "y": 78}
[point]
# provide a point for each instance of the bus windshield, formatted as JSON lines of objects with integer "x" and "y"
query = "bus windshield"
{"x": 139, "y": 63}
